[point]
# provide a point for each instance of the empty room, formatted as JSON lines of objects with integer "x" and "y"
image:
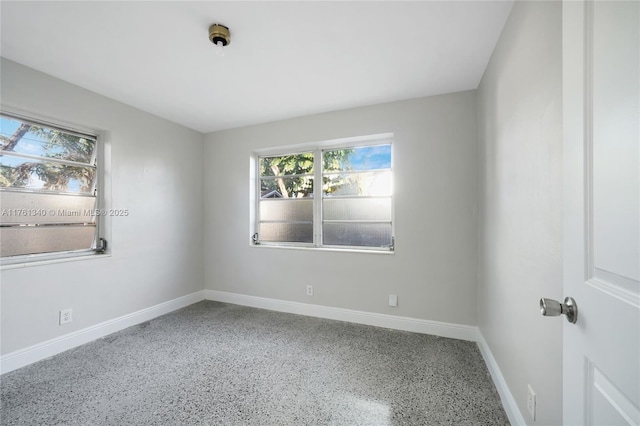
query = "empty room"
{"x": 320, "y": 212}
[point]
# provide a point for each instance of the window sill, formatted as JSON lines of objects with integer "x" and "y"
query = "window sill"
{"x": 324, "y": 249}
{"x": 51, "y": 261}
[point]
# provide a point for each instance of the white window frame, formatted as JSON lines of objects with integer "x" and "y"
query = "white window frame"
{"x": 317, "y": 148}
{"x": 18, "y": 261}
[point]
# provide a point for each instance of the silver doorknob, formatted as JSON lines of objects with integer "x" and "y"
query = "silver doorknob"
{"x": 553, "y": 308}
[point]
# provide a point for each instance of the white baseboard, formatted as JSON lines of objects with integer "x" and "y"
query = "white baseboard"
{"x": 454, "y": 331}
{"x": 40, "y": 351}
{"x": 508, "y": 401}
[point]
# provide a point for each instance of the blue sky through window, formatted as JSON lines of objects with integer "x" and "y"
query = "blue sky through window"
{"x": 369, "y": 158}
{"x": 31, "y": 143}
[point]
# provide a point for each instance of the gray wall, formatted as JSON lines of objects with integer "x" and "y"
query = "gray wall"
{"x": 433, "y": 270}
{"x": 520, "y": 127}
{"x": 156, "y": 256}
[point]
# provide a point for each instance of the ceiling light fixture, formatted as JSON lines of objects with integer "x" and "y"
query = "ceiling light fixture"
{"x": 219, "y": 35}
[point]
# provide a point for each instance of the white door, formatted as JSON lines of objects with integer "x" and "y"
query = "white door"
{"x": 601, "y": 116}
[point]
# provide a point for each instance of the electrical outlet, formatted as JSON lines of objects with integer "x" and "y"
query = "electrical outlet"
{"x": 531, "y": 402}
{"x": 66, "y": 316}
{"x": 393, "y": 300}
{"x": 309, "y": 290}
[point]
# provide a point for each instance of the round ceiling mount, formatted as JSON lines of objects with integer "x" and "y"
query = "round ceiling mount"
{"x": 219, "y": 35}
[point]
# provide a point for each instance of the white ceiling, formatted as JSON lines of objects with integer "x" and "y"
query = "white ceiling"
{"x": 286, "y": 59}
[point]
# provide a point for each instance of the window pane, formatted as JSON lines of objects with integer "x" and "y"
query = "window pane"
{"x": 357, "y": 209}
{"x": 356, "y": 159}
{"x": 45, "y": 239}
{"x": 298, "y": 187}
{"x": 24, "y": 138}
{"x": 289, "y": 210}
{"x": 365, "y": 184}
{"x": 357, "y": 234}
{"x": 35, "y": 208}
{"x": 353, "y": 202}
{"x": 298, "y": 164}
{"x": 287, "y": 232}
{"x": 16, "y": 172}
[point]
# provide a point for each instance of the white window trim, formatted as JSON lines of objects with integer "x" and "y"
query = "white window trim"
{"x": 48, "y": 259}
{"x": 317, "y": 148}
{"x": 102, "y": 222}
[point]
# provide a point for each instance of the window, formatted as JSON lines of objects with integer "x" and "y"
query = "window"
{"x": 48, "y": 190}
{"x": 286, "y": 198}
{"x": 351, "y": 208}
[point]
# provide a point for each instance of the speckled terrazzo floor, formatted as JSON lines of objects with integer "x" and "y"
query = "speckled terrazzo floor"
{"x": 219, "y": 364}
